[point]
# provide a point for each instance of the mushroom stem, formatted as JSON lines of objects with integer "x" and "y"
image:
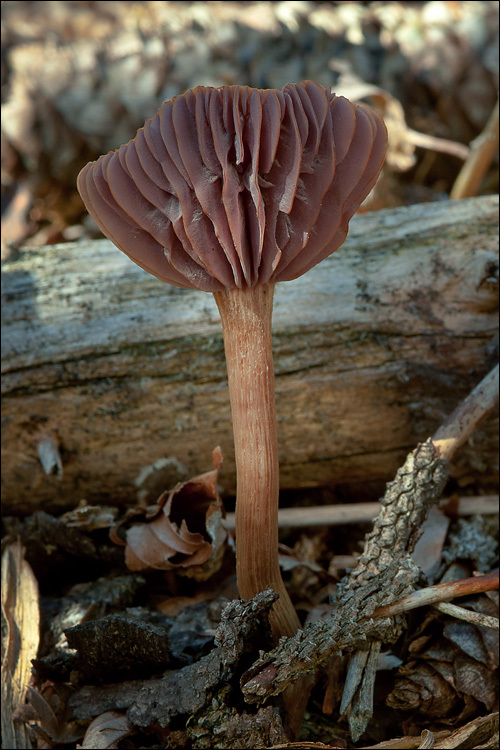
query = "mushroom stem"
{"x": 246, "y": 323}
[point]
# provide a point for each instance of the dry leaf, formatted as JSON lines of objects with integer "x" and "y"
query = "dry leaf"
{"x": 105, "y": 731}
{"x": 186, "y": 531}
{"x": 421, "y": 688}
{"x": 49, "y": 706}
{"x": 429, "y": 548}
{"x": 455, "y": 665}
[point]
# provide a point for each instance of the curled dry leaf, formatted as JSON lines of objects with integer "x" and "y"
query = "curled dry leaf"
{"x": 106, "y": 731}
{"x": 185, "y": 532}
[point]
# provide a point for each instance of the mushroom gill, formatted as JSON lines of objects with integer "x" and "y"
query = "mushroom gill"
{"x": 237, "y": 187}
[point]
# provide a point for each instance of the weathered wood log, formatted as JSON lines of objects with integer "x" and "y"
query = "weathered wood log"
{"x": 373, "y": 348}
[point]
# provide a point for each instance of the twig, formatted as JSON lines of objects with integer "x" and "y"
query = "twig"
{"x": 408, "y": 743}
{"x": 480, "y": 732}
{"x": 464, "y": 420}
{"x": 441, "y": 592}
{"x": 433, "y": 143}
{"x": 483, "y": 148}
{"x": 386, "y": 563}
{"x": 343, "y": 514}
{"x": 480, "y": 504}
{"x": 460, "y": 613}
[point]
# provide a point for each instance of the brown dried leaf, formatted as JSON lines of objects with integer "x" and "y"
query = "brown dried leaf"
{"x": 106, "y": 731}
{"x": 467, "y": 637}
{"x": 186, "y": 529}
{"x": 421, "y": 688}
{"x": 48, "y": 719}
{"x": 474, "y": 679}
{"x": 453, "y": 670}
{"x": 52, "y": 714}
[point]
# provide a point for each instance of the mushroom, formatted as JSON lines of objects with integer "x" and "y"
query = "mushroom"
{"x": 231, "y": 190}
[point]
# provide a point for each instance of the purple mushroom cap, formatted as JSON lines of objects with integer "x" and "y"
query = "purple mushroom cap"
{"x": 235, "y": 187}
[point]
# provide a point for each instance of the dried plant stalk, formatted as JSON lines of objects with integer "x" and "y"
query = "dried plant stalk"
{"x": 481, "y": 154}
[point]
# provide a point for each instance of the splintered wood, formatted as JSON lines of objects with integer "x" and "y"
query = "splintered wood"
{"x": 20, "y": 638}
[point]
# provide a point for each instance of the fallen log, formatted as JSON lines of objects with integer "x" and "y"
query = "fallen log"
{"x": 114, "y": 384}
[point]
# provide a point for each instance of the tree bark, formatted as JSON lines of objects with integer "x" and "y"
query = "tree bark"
{"x": 109, "y": 371}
